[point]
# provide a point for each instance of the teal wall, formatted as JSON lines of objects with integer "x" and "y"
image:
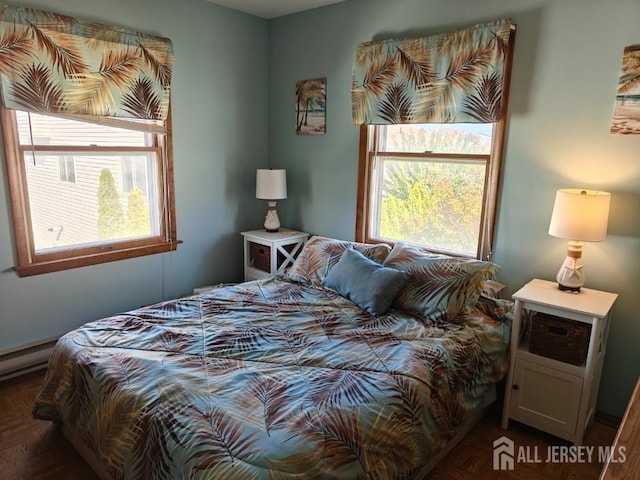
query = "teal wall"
{"x": 565, "y": 72}
{"x": 219, "y": 103}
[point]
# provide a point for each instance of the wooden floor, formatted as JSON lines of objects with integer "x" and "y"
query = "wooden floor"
{"x": 473, "y": 457}
{"x": 35, "y": 449}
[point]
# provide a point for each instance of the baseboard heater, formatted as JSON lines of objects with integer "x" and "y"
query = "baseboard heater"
{"x": 25, "y": 359}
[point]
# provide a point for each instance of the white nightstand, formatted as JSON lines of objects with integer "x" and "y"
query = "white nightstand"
{"x": 552, "y": 395}
{"x": 268, "y": 253}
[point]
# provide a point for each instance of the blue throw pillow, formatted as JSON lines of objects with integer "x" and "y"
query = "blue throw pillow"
{"x": 365, "y": 282}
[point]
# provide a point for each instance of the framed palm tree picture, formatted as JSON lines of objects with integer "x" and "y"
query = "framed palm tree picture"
{"x": 626, "y": 113}
{"x": 311, "y": 96}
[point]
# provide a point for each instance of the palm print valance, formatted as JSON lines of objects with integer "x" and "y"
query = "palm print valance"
{"x": 456, "y": 77}
{"x": 56, "y": 64}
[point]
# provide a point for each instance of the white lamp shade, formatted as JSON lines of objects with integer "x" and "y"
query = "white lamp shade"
{"x": 271, "y": 184}
{"x": 580, "y": 215}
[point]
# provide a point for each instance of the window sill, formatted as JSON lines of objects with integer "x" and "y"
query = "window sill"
{"x": 37, "y": 268}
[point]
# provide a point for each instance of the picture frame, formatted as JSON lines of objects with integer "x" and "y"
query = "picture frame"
{"x": 310, "y": 99}
{"x": 626, "y": 112}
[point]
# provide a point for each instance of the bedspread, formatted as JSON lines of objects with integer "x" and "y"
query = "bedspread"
{"x": 271, "y": 379}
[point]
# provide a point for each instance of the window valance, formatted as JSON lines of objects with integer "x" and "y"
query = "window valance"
{"x": 59, "y": 65}
{"x": 456, "y": 77}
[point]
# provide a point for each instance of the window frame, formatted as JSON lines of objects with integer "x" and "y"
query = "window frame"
{"x": 368, "y": 149}
{"x": 28, "y": 262}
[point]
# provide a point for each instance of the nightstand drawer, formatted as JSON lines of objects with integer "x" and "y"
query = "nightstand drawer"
{"x": 545, "y": 398}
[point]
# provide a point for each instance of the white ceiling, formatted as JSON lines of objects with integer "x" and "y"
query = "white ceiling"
{"x": 273, "y": 8}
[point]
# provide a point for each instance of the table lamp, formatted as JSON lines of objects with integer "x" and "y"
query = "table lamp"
{"x": 579, "y": 216}
{"x": 271, "y": 185}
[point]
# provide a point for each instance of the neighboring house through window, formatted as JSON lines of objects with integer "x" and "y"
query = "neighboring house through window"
{"x": 134, "y": 173}
{"x": 67, "y": 169}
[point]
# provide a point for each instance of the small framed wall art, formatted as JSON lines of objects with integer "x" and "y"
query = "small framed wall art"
{"x": 626, "y": 113}
{"x": 311, "y": 102}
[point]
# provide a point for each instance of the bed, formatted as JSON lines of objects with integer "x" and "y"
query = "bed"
{"x": 292, "y": 376}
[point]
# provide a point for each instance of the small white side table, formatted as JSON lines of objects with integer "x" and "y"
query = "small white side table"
{"x": 268, "y": 253}
{"x": 556, "y": 397}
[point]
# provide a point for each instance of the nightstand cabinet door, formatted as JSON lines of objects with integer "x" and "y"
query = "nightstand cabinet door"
{"x": 545, "y": 397}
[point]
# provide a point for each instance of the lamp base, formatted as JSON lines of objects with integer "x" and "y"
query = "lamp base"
{"x": 571, "y": 274}
{"x": 566, "y": 288}
{"x": 271, "y": 221}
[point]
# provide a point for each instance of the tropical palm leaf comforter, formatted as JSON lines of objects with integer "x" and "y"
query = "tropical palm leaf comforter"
{"x": 272, "y": 379}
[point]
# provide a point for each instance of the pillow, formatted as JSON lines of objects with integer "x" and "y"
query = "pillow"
{"x": 441, "y": 287}
{"x": 366, "y": 283}
{"x": 321, "y": 253}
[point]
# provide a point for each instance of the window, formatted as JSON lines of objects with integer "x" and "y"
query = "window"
{"x": 134, "y": 173}
{"x": 430, "y": 184}
{"x": 66, "y": 169}
{"x": 121, "y": 205}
